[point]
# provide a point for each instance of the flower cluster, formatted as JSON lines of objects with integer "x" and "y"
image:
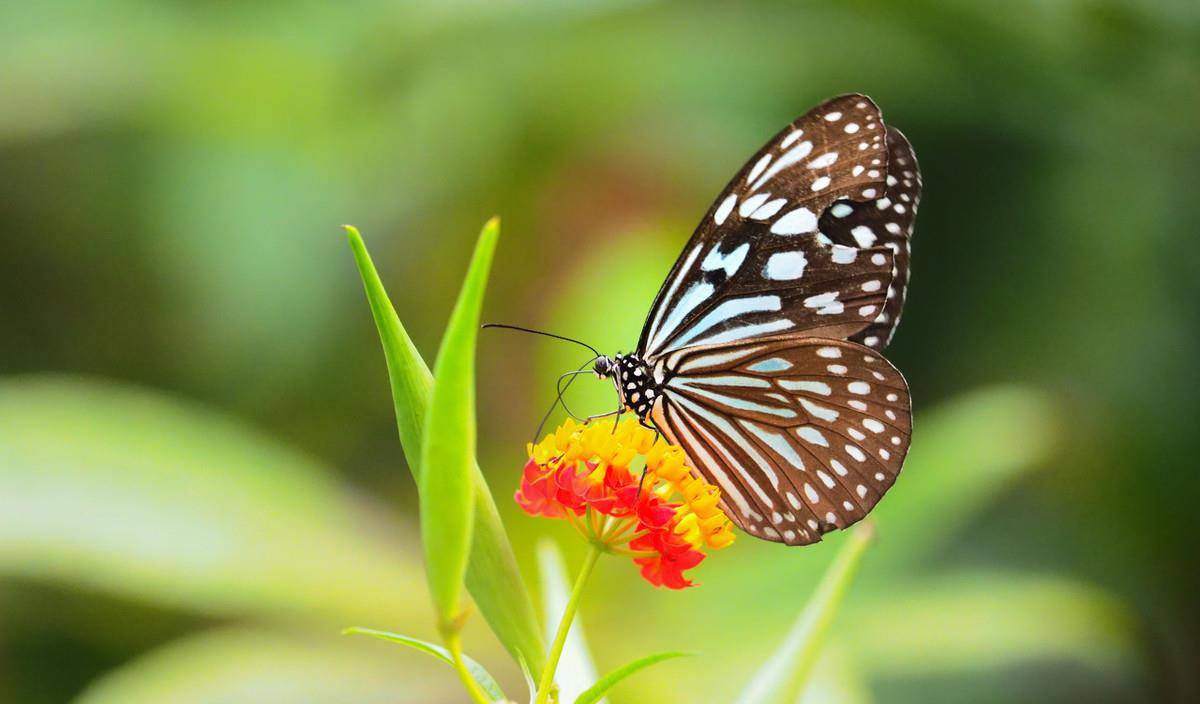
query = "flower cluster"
{"x": 628, "y": 492}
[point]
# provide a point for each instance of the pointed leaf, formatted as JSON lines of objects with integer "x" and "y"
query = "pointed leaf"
{"x": 594, "y": 693}
{"x": 782, "y": 678}
{"x": 448, "y": 445}
{"x": 482, "y": 677}
{"x": 576, "y": 671}
{"x": 492, "y": 576}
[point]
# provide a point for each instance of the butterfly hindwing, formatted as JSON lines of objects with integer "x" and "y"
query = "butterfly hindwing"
{"x": 803, "y": 435}
{"x": 886, "y": 221}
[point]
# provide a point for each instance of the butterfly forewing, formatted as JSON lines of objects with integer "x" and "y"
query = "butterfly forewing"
{"x": 837, "y": 151}
{"x": 790, "y": 286}
{"x": 803, "y": 435}
{"x": 886, "y": 221}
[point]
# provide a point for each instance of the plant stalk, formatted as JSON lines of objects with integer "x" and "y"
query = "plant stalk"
{"x": 454, "y": 645}
{"x": 564, "y": 625}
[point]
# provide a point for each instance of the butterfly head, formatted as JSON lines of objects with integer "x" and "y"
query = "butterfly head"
{"x": 605, "y": 366}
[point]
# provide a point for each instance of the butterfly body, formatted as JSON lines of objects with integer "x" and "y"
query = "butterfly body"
{"x": 761, "y": 354}
{"x": 634, "y": 380}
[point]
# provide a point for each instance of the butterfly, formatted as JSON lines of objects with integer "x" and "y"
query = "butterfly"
{"x": 760, "y": 356}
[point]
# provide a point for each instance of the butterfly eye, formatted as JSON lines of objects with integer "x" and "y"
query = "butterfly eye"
{"x": 603, "y": 367}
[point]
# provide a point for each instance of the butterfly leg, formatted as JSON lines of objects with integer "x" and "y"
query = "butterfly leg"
{"x": 598, "y": 416}
{"x": 617, "y": 419}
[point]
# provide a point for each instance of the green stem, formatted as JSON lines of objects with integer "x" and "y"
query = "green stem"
{"x": 454, "y": 645}
{"x": 564, "y": 625}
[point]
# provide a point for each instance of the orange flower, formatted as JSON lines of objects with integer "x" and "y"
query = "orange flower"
{"x": 629, "y": 493}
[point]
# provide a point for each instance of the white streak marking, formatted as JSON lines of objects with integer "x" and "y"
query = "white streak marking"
{"x": 792, "y": 156}
{"x": 774, "y": 364}
{"x": 758, "y": 168}
{"x": 683, "y": 270}
{"x": 717, "y": 359}
{"x": 726, "y": 310}
{"x": 825, "y": 303}
{"x": 812, "y": 435}
{"x": 751, "y": 204}
{"x": 824, "y": 161}
{"x": 816, "y": 387}
{"x": 724, "y": 209}
{"x": 747, "y": 331}
{"x": 826, "y": 414}
{"x": 778, "y": 443}
{"x": 730, "y": 262}
{"x": 768, "y": 210}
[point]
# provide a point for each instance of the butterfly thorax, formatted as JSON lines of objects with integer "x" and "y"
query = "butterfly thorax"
{"x": 635, "y": 384}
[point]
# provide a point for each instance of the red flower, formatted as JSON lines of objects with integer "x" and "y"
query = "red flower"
{"x": 673, "y": 556}
{"x": 583, "y": 474}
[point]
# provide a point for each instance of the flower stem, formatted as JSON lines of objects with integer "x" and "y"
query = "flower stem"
{"x": 564, "y": 625}
{"x": 454, "y": 645}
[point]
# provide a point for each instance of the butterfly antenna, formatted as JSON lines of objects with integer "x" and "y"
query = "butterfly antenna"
{"x": 561, "y": 389}
{"x": 544, "y": 334}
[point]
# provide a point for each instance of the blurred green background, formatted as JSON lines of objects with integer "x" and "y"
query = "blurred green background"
{"x": 200, "y": 481}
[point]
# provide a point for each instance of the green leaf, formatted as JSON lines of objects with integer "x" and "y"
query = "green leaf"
{"x": 492, "y": 576}
{"x": 576, "y": 671}
{"x": 594, "y": 693}
{"x": 448, "y": 447}
{"x": 482, "y": 677}
{"x": 240, "y": 665}
{"x": 783, "y": 677}
{"x": 135, "y": 493}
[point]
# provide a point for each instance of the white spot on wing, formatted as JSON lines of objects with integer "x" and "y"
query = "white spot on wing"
{"x": 795, "y": 222}
{"x": 758, "y": 168}
{"x": 751, "y": 204}
{"x": 863, "y": 236}
{"x": 790, "y": 157}
{"x": 785, "y": 266}
{"x": 724, "y": 210}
